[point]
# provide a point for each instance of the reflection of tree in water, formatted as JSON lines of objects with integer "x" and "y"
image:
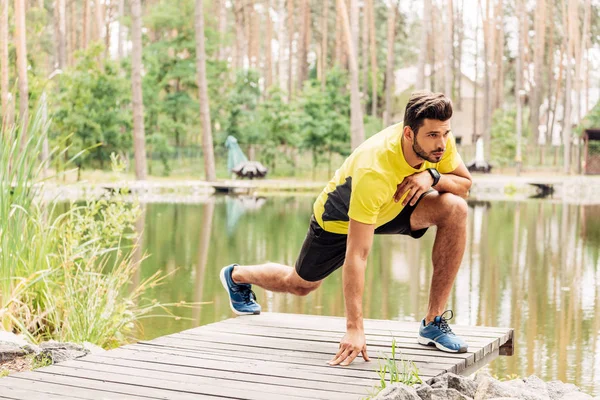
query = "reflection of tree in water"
{"x": 237, "y": 206}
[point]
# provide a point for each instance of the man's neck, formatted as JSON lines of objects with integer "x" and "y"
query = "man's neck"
{"x": 409, "y": 154}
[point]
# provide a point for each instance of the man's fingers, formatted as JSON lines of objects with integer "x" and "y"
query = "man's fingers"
{"x": 416, "y": 197}
{"x": 340, "y": 358}
{"x": 364, "y": 353}
{"x": 409, "y": 196}
{"x": 350, "y": 358}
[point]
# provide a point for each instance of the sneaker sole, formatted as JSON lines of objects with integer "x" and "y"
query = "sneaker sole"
{"x": 224, "y": 283}
{"x": 428, "y": 342}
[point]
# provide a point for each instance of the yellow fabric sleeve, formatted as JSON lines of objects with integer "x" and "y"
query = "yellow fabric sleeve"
{"x": 370, "y": 192}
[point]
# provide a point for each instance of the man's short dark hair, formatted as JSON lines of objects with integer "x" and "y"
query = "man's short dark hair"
{"x": 426, "y": 105}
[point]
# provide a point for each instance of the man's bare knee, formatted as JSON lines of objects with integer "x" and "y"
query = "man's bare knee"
{"x": 453, "y": 208}
{"x": 299, "y": 286}
{"x": 305, "y": 290}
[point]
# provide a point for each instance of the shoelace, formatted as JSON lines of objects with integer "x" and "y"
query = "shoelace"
{"x": 248, "y": 295}
{"x": 443, "y": 324}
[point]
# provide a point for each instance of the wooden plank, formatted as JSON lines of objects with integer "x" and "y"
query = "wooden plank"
{"x": 312, "y": 346}
{"x": 325, "y": 372}
{"x": 323, "y": 336}
{"x": 210, "y": 386}
{"x": 328, "y": 351}
{"x": 21, "y": 381}
{"x": 327, "y": 322}
{"x": 404, "y": 345}
{"x": 11, "y": 392}
{"x": 397, "y": 328}
{"x": 223, "y": 366}
{"x": 316, "y": 330}
{"x": 103, "y": 389}
{"x": 180, "y": 369}
{"x": 358, "y": 369}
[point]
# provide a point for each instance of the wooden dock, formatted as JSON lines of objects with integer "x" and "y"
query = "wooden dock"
{"x": 267, "y": 356}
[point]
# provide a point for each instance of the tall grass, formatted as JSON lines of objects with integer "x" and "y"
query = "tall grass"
{"x": 392, "y": 370}
{"x": 65, "y": 275}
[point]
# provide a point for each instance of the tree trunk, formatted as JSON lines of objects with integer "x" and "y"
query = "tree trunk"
{"x": 586, "y": 43}
{"x": 475, "y": 135}
{"x": 62, "y": 34}
{"x": 268, "y": 48}
{"x": 487, "y": 84}
{"x": 21, "y": 47}
{"x": 99, "y": 11}
{"x": 389, "y": 72}
{"x": 73, "y": 31}
{"x": 240, "y": 40}
{"x": 356, "y": 117}
{"x": 324, "y": 39}
{"x": 550, "y": 67}
{"x": 303, "y": 45}
{"x": 373, "y": 50}
{"x": 121, "y": 34}
{"x": 425, "y": 29}
{"x": 339, "y": 36}
{"x": 499, "y": 91}
{"x": 460, "y": 35}
{"x": 568, "y": 87}
{"x": 519, "y": 82}
{"x": 139, "y": 141}
{"x": 281, "y": 41}
{"x": 538, "y": 62}
{"x": 5, "y": 115}
{"x": 222, "y": 28}
{"x": 87, "y": 23}
{"x": 353, "y": 13}
{"x": 290, "y": 19}
{"x": 583, "y": 53}
{"x": 207, "y": 141}
{"x": 254, "y": 37}
{"x": 364, "y": 57}
{"x": 448, "y": 46}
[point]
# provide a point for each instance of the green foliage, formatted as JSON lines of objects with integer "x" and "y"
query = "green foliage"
{"x": 92, "y": 105}
{"x": 242, "y": 121}
{"x": 40, "y": 361}
{"x": 399, "y": 371}
{"x": 280, "y": 122}
{"x": 504, "y": 139}
{"x": 324, "y": 121}
{"x": 591, "y": 120}
{"x": 65, "y": 275}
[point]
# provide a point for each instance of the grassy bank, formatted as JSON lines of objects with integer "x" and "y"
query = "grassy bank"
{"x": 66, "y": 275}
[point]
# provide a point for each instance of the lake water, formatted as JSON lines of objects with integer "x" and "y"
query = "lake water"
{"x": 531, "y": 265}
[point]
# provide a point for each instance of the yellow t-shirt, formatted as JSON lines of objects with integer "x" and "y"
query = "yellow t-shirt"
{"x": 364, "y": 186}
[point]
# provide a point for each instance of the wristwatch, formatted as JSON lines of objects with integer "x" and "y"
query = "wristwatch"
{"x": 435, "y": 175}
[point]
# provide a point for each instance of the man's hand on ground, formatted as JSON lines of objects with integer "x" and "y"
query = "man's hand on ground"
{"x": 353, "y": 343}
{"x": 415, "y": 185}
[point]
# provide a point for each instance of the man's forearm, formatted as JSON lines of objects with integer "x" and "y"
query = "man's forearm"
{"x": 353, "y": 276}
{"x": 454, "y": 184}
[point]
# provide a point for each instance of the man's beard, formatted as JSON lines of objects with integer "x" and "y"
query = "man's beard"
{"x": 422, "y": 153}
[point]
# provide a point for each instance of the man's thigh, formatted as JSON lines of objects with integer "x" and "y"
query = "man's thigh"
{"x": 322, "y": 253}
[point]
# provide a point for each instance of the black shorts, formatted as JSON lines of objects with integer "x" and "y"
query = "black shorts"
{"x": 323, "y": 252}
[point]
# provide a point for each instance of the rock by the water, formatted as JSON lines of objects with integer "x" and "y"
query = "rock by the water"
{"x": 462, "y": 384}
{"x": 10, "y": 352}
{"x": 398, "y": 391}
{"x": 60, "y": 351}
{"x": 483, "y": 387}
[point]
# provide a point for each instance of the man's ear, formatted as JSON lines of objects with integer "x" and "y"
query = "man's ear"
{"x": 408, "y": 133}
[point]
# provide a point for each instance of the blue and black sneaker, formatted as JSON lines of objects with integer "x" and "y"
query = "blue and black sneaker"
{"x": 439, "y": 334}
{"x": 242, "y": 299}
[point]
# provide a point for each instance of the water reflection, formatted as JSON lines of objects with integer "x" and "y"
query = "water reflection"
{"x": 532, "y": 265}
